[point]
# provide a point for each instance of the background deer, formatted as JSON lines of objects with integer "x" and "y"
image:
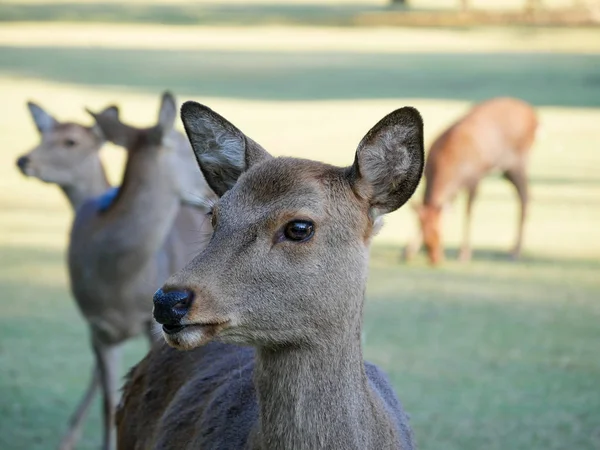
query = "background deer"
{"x": 495, "y": 135}
{"x": 284, "y": 272}
{"x": 68, "y": 156}
{"x": 121, "y": 247}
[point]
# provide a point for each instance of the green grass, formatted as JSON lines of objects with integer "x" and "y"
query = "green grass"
{"x": 494, "y": 355}
{"x": 487, "y": 355}
{"x": 538, "y": 78}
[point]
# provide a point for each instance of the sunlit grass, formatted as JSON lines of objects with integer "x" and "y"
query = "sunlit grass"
{"x": 307, "y": 38}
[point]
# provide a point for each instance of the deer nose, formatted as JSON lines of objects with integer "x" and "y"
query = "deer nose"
{"x": 170, "y": 307}
{"x": 22, "y": 163}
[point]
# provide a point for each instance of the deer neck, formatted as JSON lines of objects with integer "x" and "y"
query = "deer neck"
{"x": 142, "y": 214}
{"x": 313, "y": 397}
{"x": 89, "y": 181}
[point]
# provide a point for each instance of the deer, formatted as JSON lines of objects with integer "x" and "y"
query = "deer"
{"x": 495, "y": 135}
{"x": 121, "y": 248}
{"x": 68, "y": 156}
{"x": 262, "y": 328}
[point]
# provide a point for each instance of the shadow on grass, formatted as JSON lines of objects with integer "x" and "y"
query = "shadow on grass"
{"x": 392, "y": 255}
{"x": 560, "y": 181}
{"x": 542, "y": 79}
{"x": 188, "y": 13}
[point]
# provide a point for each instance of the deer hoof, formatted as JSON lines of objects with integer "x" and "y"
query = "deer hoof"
{"x": 515, "y": 255}
{"x": 464, "y": 256}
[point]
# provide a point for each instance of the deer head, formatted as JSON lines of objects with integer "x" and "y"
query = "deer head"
{"x": 174, "y": 150}
{"x": 287, "y": 262}
{"x": 64, "y": 150}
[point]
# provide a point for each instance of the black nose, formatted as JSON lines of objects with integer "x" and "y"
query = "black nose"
{"x": 22, "y": 163}
{"x": 170, "y": 307}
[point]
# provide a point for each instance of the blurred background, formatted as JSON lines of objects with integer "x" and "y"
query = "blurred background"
{"x": 491, "y": 354}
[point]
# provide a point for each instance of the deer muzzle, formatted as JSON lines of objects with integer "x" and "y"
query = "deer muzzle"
{"x": 170, "y": 307}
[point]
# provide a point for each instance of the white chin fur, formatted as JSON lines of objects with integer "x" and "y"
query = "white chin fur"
{"x": 187, "y": 339}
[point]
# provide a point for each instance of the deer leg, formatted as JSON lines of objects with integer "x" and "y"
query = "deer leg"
{"x": 465, "y": 249}
{"x": 413, "y": 247}
{"x": 518, "y": 178}
{"x": 108, "y": 363}
{"x": 76, "y": 421}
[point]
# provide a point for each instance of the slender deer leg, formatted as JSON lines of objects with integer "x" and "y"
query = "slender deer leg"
{"x": 413, "y": 247}
{"x": 518, "y": 178}
{"x": 76, "y": 421}
{"x": 465, "y": 250}
{"x": 108, "y": 362}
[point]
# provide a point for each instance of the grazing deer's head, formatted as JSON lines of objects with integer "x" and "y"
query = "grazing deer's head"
{"x": 64, "y": 150}
{"x": 429, "y": 220}
{"x": 287, "y": 262}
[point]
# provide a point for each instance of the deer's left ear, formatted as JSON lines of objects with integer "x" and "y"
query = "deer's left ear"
{"x": 389, "y": 161}
{"x": 223, "y": 152}
{"x": 110, "y": 111}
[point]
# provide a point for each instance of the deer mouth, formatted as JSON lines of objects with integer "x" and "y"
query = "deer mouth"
{"x": 205, "y": 328}
{"x": 173, "y": 329}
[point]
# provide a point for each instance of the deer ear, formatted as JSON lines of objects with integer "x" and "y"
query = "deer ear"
{"x": 44, "y": 122}
{"x": 109, "y": 126}
{"x": 111, "y": 112}
{"x": 167, "y": 112}
{"x": 389, "y": 161}
{"x": 223, "y": 152}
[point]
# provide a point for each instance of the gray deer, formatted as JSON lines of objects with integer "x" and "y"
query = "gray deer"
{"x": 125, "y": 243}
{"x": 271, "y": 311}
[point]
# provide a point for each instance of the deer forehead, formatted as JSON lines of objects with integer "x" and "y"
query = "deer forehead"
{"x": 287, "y": 187}
{"x": 69, "y": 130}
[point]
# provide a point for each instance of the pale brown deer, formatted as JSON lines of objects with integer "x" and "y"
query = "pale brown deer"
{"x": 284, "y": 273}
{"x": 494, "y": 135}
{"x": 68, "y": 156}
{"x": 122, "y": 247}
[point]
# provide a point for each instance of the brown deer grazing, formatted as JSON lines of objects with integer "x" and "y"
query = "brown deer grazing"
{"x": 121, "y": 248}
{"x": 285, "y": 273}
{"x": 495, "y": 135}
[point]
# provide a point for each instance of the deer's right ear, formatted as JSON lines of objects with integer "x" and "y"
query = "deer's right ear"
{"x": 109, "y": 126}
{"x": 111, "y": 112}
{"x": 44, "y": 122}
{"x": 223, "y": 152}
{"x": 389, "y": 161}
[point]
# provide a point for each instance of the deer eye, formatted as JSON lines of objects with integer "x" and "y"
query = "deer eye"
{"x": 212, "y": 217}
{"x": 69, "y": 143}
{"x": 299, "y": 230}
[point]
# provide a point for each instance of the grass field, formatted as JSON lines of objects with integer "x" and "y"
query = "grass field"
{"x": 488, "y": 355}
